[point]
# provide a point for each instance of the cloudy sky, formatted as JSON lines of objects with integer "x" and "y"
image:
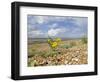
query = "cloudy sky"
{"x": 56, "y": 26}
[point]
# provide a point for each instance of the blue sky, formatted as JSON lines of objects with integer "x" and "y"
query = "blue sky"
{"x": 56, "y": 26}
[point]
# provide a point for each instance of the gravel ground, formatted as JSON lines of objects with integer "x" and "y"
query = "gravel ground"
{"x": 76, "y": 55}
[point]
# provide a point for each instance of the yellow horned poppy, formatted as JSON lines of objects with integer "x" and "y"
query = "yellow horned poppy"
{"x": 58, "y": 40}
{"x": 54, "y": 43}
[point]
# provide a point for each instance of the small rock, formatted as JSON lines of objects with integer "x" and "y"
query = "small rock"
{"x": 65, "y": 62}
{"x": 74, "y": 59}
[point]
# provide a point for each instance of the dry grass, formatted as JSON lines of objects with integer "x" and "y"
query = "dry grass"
{"x": 71, "y": 52}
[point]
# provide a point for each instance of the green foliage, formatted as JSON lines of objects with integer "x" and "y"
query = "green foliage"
{"x": 43, "y": 53}
{"x": 65, "y": 46}
{"x": 30, "y": 52}
{"x": 69, "y": 45}
{"x": 29, "y": 63}
{"x": 84, "y": 40}
{"x": 50, "y": 53}
{"x": 32, "y": 63}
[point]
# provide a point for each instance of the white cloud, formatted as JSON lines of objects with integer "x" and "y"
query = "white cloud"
{"x": 36, "y": 34}
{"x": 40, "y": 19}
{"x": 32, "y": 28}
{"x": 80, "y": 21}
{"x": 55, "y": 32}
{"x": 46, "y": 19}
{"x": 43, "y": 19}
{"x": 60, "y": 18}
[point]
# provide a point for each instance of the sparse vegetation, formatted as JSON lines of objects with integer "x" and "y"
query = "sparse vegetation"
{"x": 66, "y": 46}
{"x": 84, "y": 40}
{"x": 72, "y": 43}
{"x": 68, "y": 52}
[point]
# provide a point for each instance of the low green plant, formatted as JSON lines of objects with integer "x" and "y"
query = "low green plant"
{"x": 65, "y": 46}
{"x": 42, "y": 53}
{"x": 53, "y": 43}
{"x": 31, "y": 52}
{"x": 51, "y": 53}
{"x": 32, "y": 63}
{"x": 29, "y": 63}
{"x": 84, "y": 40}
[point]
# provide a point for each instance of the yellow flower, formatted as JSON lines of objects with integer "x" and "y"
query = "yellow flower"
{"x": 54, "y": 44}
{"x": 49, "y": 41}
{"x": 58, "y": 40}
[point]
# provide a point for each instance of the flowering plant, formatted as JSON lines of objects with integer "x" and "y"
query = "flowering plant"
{"x": 54, "y": 43}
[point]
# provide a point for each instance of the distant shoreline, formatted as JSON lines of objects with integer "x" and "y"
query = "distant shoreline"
{"x": 42, "y": 40}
